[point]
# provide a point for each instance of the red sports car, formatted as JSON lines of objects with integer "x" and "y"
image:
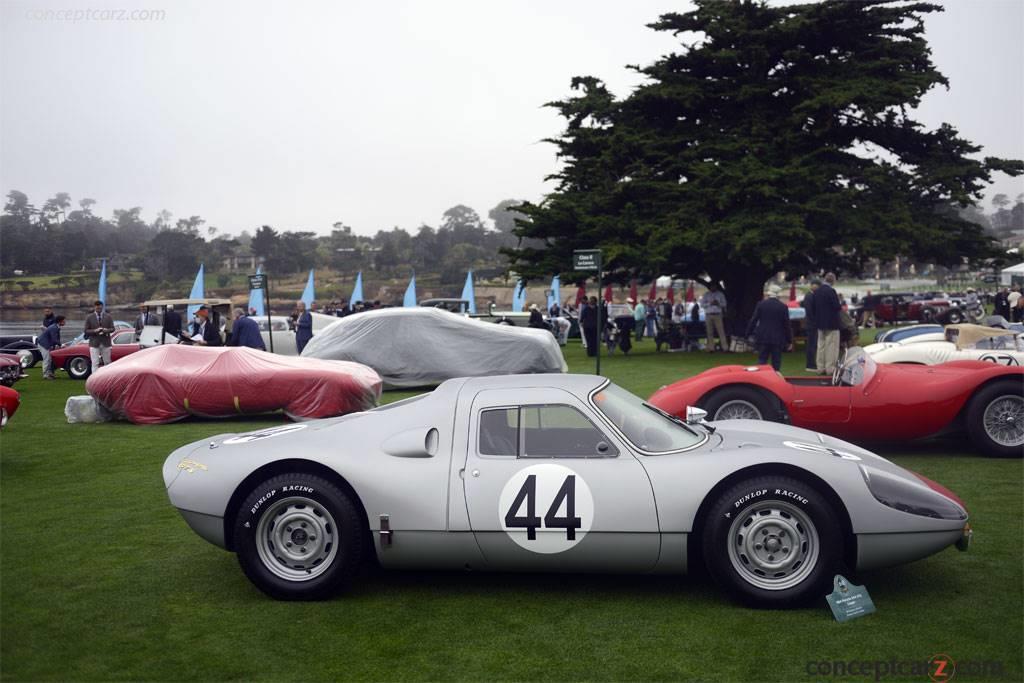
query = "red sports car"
{"x": 9, "y": 402}
{"x": 75, "y": 357}
{"x": 10, "y": 369}
{"x": 866, "y": 401}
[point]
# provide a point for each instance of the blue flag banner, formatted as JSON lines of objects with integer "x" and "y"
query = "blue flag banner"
{"x": 357, "y": 291}
{"x": 519, "y": 297}
{"x": 468, "y": 294}
{"x": 556, "y": 296}
{"x": 102, "y": 291}
{"x": 198, "y": 292}
{"x": 410, "y": 293}
{"x": 256, "y": 298}
{"x": 309, "y": 294}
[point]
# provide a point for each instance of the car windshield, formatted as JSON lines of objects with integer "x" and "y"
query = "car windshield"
{"x": 646, "y": 427}
{"x": 1001, "y": 343}
{"x": 858, "y": 368}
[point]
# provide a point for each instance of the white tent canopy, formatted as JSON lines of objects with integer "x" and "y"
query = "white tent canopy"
{"x": 1006, "y": 275}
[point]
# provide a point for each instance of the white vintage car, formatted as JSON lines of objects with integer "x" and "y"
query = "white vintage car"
{"x": 283, "y": 335}
{"x": 958, "y": 342}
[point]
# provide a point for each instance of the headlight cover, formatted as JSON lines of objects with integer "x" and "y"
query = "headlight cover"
{"x": 904, "y": 496}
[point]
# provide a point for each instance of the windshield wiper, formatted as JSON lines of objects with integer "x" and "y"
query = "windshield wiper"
{"x": 670, "y": 417}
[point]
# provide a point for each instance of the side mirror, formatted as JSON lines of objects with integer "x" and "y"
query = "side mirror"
{"x": 695, "y": 415}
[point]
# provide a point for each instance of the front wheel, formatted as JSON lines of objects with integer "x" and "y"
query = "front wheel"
{"x": 955, "y": 317}
{"x": 737, "y": 403}
{"x": 995, "y": 419}
{"x": 773, "y": 542}
{"x": 298, "y": 537}
{"x": 79, "y": 367}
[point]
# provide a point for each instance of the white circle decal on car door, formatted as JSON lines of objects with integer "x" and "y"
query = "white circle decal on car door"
{"x": 546, "y": 508}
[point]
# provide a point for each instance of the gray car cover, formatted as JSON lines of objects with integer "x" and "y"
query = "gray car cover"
{"x": 410, "y": 347}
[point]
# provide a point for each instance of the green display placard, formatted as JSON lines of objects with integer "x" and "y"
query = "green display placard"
{"x": 848, "y": 601}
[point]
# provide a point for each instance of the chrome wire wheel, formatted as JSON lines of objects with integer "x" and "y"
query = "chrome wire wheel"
{"x": 737, "y": 409}
{"x": 78, "y": 367}
{"x": 1003, "y": 420}
{"x": 773, "y": 545}
{"x": 297, "y": 539}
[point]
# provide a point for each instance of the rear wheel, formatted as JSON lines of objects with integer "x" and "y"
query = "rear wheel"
{"x": 79, "y": 367}
{"x": 738, "y": 403}
{"x": 298, "y": 537}
{"x": 995, "y": 419}
{"x": 773, "y": 541}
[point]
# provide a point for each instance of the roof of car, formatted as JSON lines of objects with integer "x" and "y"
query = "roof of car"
{"x": 580, "y": 385}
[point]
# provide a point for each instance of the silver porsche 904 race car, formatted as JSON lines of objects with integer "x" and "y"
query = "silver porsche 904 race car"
{"x": 555, "y": 473}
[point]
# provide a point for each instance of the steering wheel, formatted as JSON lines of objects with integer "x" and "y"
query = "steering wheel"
{"x": 838, "y": 373}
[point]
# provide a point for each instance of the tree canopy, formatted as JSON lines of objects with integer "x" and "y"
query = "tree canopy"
{"x": 779, "y": 138}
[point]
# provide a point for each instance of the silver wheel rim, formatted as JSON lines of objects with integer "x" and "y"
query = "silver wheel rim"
{"x": 78, "y": 366}
{"x": 1003, "y": 420}
{"x": 738, "y": 409}
{"x": 297, "y": 539}
{"x": 773, "y": 545}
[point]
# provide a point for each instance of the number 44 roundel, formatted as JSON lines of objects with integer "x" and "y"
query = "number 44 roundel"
{"x": 546, "y": 508}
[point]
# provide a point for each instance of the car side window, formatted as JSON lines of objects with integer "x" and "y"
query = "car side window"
{"x": 541, "y": 431}
{"x": 561, "y": 431}
{"x": 499, "y": 432}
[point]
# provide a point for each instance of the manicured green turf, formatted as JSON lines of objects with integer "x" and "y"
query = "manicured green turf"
{"x": 102, "y": 580}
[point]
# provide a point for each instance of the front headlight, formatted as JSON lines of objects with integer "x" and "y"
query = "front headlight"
{"x": 905, "y": 496}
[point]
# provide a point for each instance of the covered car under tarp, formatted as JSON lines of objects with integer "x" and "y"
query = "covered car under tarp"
{"x": 171, "y": 382}
{"x": 411, "y": 347}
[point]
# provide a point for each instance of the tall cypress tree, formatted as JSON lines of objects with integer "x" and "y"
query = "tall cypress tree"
{"x": 780, "y": 138}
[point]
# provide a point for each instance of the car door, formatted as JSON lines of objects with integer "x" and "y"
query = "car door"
{"x": 815, "y": 406}
{"x": 123, "y": 343}
{"x": 547, "y": 489}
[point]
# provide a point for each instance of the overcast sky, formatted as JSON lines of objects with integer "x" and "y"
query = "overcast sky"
{"x": 300, "y": 114}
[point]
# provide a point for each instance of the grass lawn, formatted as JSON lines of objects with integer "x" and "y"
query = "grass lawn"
{"x": 102, "y": 580}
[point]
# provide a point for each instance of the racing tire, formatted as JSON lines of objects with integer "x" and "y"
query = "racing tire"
{"x": 79, "y": 367}
{"x": 995, "y": 419}
{"x": 773, "y": 542}
{"x": 27, "y": 359}
{"x": 298, "y": 537}
{"x": 738, "y": 402}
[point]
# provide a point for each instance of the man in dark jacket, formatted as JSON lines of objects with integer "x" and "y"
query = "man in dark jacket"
{"x": 770, "y": 328}
{"x": 588, "y": 323}
{"x": 303, "y": 327}
{"x": 207, "y": 327}
{"x": 1001, "y": 303}
{"x": 826, "y": 318}
{"x": 172, "y": 326}
{"x": 48, "y": 341}
{"x": 809, "y": 328}
{"x": 246, "y": 332}
{"x": 49, "y": 318}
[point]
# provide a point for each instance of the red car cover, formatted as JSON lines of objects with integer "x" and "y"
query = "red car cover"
{"x": 171, "y": 382}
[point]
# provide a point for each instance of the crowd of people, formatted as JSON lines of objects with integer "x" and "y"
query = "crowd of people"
{"x": 828, "y": 324}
